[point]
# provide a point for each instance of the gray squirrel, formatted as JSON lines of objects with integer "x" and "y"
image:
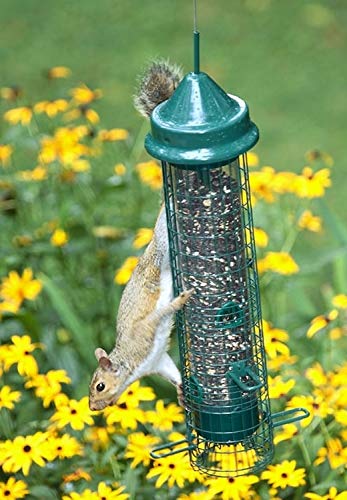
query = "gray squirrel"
{"x": 147, "y": 306}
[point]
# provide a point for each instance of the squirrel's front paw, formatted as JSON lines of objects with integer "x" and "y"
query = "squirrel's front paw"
{"x": 185, "y": 295}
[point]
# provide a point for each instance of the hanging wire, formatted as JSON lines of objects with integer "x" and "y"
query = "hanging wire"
{"x": 196, "y": 36}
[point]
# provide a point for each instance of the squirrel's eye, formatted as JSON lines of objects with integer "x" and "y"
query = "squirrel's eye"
{"x": 100, "y": 387}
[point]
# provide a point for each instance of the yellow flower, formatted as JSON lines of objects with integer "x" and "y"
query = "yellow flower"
{"x": 82, "y": 111}
{"x": 114, "y": 134}
{"x": 315, "y": 155}
{"x": 84, "y": 95}
{"x": 51, "y": 108}
{"x": 150, "y": 173}
{"x": 261, "y": 237}
{"x": 13, "y": 489}
{"x": 77, "y": 475}
{"x": 312, "y": 184}
{"x": 280, "y": 360}
{"x": 289, "y": 431}
{"x": 20, "y": 453}
{"x": 252, "y": 159}
{"x": 8, "y": 397}
{"x": 235, "y": 488}
{"x": 340, "y": 301}
{"x": 142, "y": 237}
{"x": 283, "y": 182}
{"x": 341, "y": 417}
{"x": 48, "y": 386}
{"x": 74, "y": 413}
{"x": 171, "y": 470}
{"x": 100, "y": 437}
{"x": 278, "y": 262}
{"x": 335, "y": 453}
{"x": 138, "y": 448}
{"x": 320, "y": 322}
{"x": 64, "y": 146}
{"x": 10, "y": 93}
{"x": 120, "y": 169}
{"x": 109, "y": 232}
{"x": 261, "y": 184}
{"x": 331, "y": 495}
{"x": 5, "y": 154}
{"x": 274, "y": 339}
{"x": 58, "y": 72}
{"x": 163, "y": 417}
{"x": 15, "y": 288}
{"x": 19, "y": 352}
{"x": 21, "y": 115}
{"x": 315, "y": 405}
{"x": 236, "y": 457}
{"x": 106, "y": 492}
{"x": 316, "y": 375}
{"x": 62, "y": 447}
{"x": 309, "y": 221}
{"x": 85, "y": 495}
{"x": 80, "y": 165}
{"x": 196, "y": 495}
{"x": 123, "y": 274}
{"x": 37, "y": 174}
{"x": 59, "y": 238}
{"x": 337, "y": 333}
{"x": 278, "y": 388}
{"x": 284, "y": 474}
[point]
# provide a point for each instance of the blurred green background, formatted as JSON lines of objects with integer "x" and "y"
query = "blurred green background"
{"x": 287, "y": 58}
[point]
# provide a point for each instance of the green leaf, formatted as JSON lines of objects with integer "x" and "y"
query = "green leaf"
{"x": 81, "y": 333}
{"x": 115, "y": 468}
{"x": 41, "y": 492}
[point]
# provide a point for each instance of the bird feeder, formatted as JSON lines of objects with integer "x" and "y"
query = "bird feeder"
{"x": 201, "y": 135}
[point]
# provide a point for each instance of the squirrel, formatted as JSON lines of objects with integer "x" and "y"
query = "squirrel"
{"x": 147, "y": 306}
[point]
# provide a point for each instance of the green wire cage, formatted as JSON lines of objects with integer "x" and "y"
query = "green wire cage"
{"x": 202, "y": 135}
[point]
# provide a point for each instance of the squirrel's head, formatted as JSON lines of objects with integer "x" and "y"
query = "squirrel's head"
{"x": 108, "y": 382}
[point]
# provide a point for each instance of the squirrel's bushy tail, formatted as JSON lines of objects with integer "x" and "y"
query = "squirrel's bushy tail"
{"x": 160, "y": 236}
{"x": 156, "y": 85}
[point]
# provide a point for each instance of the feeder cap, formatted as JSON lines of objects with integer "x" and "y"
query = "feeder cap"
{"x": 200, "y": 124}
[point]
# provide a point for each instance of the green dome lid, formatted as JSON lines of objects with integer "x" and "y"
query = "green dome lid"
{"x": 200, "y": 124}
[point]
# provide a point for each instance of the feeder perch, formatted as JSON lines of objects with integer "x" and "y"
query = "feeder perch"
{"x": 202, "y": 135}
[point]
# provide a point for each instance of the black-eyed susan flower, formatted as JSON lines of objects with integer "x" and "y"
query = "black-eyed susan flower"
{"x": 82, "y": 112}
{"x": 334, "y": 452}
{"x": 232, "y": 487}
{"x": 164, "y": 416}
{"x": 113, "y": 134}
{"x": 58, "y": 72}
{"x": 142, "y": 237}
{"x": 136, "y": 393}
{"x": 64, "y": 146}
{"x": 261, "y": 237}
{"x": 8, "y": 397}
{"x": 114, "y": 493}
{"x": 196, "y": 495}
{"x": 15, "y": 288}
{"x": 312, "y": 184}
{"x": 51, "y": 108}
{"x": 320, "y": 322}
{"x": 332, "y": 494}
{"x": 19, "y": 352}
{"x": 150, "y": 174}
{"x": 61, "y": 447}
{"x": 124, "y": 414}
{"x": 138, "y": 448}
{"x": 5, "y": 154}
{"x": 48, "y": 385}
{"x": 315, "y": 155}
{"x": 288, "y": 432}
{"x": 236, "y": 457}
{"x": 84, "y": 95}
{"x": 123, "y": 274}
{"x": 275, "y": 339}
{"x": 278, "y": 388}
{"x": 284, "y": 474}
{"x": 86, "y": 494}
{"x": 278, "y": 262}
{"x": 13, "y": 489}
{"x": 37, "y": 174}
{"x": 283, "y": 182}
{"x": 75, "y": 413}
{"x": 22, "y": 452}
{"x": 22, "y": 115}
{"x": 100, "y": 437}
{"x": 316, "y": 406}
{"x": 59, "y": 238}
{"x": 173, "y": 470}
{"x": 261, "y": 184}
{"x": 310, "y": 222}
{"x": 280, "y": 361}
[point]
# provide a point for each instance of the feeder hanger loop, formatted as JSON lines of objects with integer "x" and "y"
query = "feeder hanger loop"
{"x": 196, "y": 39}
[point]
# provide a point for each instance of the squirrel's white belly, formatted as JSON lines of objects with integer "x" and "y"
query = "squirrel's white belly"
{"x": 162, "y": 333}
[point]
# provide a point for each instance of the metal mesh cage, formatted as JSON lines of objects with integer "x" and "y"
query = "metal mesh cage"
{"x": 222, "y": 354}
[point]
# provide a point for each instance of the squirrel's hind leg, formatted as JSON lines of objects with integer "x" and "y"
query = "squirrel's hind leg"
{"x": 167, "y": 369}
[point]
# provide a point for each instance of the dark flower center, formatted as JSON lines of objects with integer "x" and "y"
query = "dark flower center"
{"x": 231, "y": 480}
{"x": 123, "y": 406}
{"x": 172, "y": 466}
{"x": 27, "y": 448}
{"x": 284, "y": 475}
{"x": 7, "y": 493}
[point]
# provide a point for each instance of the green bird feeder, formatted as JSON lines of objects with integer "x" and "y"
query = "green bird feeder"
{"x": 201, "y": 135}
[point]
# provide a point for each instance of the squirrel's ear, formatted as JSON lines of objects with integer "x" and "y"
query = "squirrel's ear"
{"x": 105, "y": 363}
{"x": 100, "y": 353}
